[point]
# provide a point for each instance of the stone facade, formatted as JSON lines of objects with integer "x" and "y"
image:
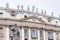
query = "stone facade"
{"x": 28, "y": 30}
{"x": 27, "y": 25}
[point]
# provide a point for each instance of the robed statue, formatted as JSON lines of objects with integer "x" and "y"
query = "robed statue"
{"x": 15, "y": 33}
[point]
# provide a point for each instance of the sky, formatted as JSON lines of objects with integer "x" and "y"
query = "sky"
{"x": 48, "y": 5}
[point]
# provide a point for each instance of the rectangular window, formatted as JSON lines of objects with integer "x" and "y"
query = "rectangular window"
{"x": 25, "y": 33}
{"x": 33, "y": 33}
{"x": 50, "y": 35}
{"x": 41, "y": 33}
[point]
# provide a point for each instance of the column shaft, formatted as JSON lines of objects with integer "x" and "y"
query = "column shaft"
{"x": 44, "y": 35}
{"x": 22, "y": 33}
{"x": 59, "y": 36}
{"x": 54, "y": 35}
{"x": 29, "y": 34}
{"x": 38, "y": 34}
{"x": 6, "y": 30}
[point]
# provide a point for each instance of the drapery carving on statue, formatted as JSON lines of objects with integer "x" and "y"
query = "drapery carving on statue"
{"x": 15, "y": 33}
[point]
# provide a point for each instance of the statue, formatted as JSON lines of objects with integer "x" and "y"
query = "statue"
{"x": 7, "y": 5}
{"x": 15, "y": 33}
{"x": 37, "y": 10}
{"x": 33, "y": 8}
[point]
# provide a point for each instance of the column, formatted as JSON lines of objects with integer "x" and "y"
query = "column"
{"x": 22, "y": 33}
{"x": 59, "y": 35}
{"x": 54, "y": 35}
{"x": 7, "y": 33}
{"x": 38, "y": 34}
{"x": 44, "y": 35}
{"x": 29, "y": 34}
{"x": 57, "y": 38}
{"x": 6, "y": 30}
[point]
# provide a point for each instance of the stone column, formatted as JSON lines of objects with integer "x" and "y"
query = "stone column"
{"x": 54, "y": 35}
{"x": 44, "y": 34}
{"x": 59, "y": 35}
{"x": 29, "y": 34}
{"x": 22, "y": 33}
{"x": 38, "y": 34}
{"x": 7, "y": 33}
{"x": 6, "y": 30}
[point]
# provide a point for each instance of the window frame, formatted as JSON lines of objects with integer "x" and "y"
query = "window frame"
{"x": 41, "y": 34}
{"x": 35, "y": 33}
{"x": 25, "y": 32}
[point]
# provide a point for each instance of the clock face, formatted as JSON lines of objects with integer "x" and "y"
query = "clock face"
{"x": 33, "y": 19}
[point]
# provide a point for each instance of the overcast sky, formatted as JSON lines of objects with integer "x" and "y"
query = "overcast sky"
{"x": 48, "y": 5}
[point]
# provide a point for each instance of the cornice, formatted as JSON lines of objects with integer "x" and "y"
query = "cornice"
{"x": 18, "y": 20}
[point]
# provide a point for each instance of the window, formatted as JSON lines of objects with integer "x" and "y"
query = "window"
{"x": 41, "y": 33}
{"x": 25, "y": 32}
{"x": 50, "y": 35}
{"x": 1, "y": 13}
{"x": 25, "y": 16}
{"x": 33, "y": 33}
{"x": 13, "y": 14}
